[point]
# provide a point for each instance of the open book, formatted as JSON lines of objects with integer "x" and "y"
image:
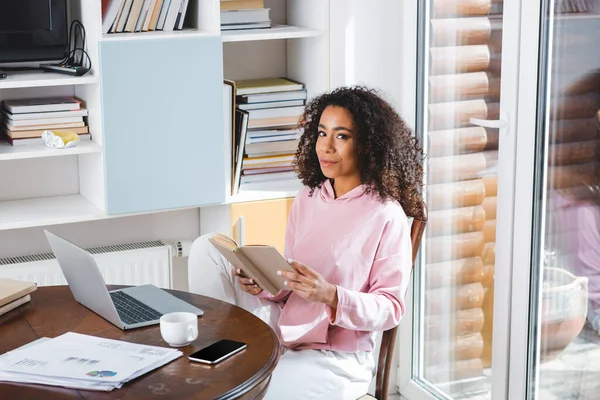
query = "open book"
{"x": 258, "y": 262}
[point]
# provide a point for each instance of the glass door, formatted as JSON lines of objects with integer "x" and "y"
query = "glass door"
{"x": 564, "y": 292}
{"x": 506, "y": 294}
{"x": 466, "y": 95}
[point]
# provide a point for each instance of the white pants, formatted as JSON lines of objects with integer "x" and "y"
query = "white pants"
{"x": 300, "y": 374}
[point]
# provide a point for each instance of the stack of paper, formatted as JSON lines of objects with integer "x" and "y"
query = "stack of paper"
{"x": 82, "y": 362}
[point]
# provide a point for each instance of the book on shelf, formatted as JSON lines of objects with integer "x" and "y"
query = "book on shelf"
{"x": 266, "y": 113}
{"x": 229, "y": 128}
{"x": 240, "y": 147}
{"x": 171, "y": 20}
{"x": 270, "y": 104}
{"x": 155, "y": 16}
{"x": 239, "y": 27}
{"x": 273, "y": 135}
{"x": 271, "y": 148}
{"x": 271, "y": 176}
{"x": 248, "y": 18}
{"x": 267, "y": 85}
{"x": 82, "y": 112}
{"x": 134, "y": 13}
{"x": 25, "y": 120}
{"x": 256, "y": 171}
{"x": 40, "y": 121}
{"x": 45, "y": 127}
{"x": 42, "y": 104}
{"x": 38, "y": 133}
{"x": 281, "y": 116}
{"x": 268, "y": 97}
{"x": 241, "y": 4}
{"x": 267, "y": 134}
{"x": 274, "y": 121}
{"x": 259, "y": 262}
{"x": 143, "y": 23}
{"x": 144, "y": 15}
{"x": 269, "y": 161}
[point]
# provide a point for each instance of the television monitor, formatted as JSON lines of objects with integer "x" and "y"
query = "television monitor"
{"x": 33, "y": 30}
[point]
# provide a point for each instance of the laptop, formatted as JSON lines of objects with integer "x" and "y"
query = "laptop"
{"x": 128, "y": 308}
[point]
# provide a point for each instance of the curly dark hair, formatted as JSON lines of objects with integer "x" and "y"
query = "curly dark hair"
{"x": 389, "y": 156}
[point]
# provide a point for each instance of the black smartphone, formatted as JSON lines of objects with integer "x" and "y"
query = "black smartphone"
{"x": 217, "y": 351}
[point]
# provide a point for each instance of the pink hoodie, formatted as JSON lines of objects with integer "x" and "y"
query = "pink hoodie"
{"x": 577, "y": 226}
{"x": 358, "y": 243}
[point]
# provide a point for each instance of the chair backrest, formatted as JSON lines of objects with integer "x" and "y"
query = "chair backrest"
{"x": 388, "y": 339}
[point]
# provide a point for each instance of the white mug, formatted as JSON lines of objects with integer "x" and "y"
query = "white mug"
{"x": 179, "y": 328}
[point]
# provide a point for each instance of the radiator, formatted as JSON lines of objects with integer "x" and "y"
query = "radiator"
{"x": 124, "y": 264}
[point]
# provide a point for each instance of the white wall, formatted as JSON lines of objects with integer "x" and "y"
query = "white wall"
{"x": 167, "y": 226}
{"x": 373, "y": 44}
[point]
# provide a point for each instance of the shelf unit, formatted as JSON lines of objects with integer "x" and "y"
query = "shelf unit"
{"x": 32, "y": 79}
{"x": 155, "y": 35}
{"x": 47, "y": 211}
{"x": 276, "y": 32}
{"x": 273, "y": 191}
{"x": 130, "y": 166}
{"x": 298, "y": 37}
{"x": 54, "y": 186}
{"x": 297, "y": 47}
{"x": 8, "y": 152}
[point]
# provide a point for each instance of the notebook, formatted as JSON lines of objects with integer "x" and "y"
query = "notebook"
{"x": 259, "y": 262}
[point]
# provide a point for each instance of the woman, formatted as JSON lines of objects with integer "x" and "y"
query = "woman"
{"x": 348, "y": 240}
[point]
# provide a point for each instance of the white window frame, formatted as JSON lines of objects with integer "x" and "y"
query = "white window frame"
{"x": 519, "y": 88}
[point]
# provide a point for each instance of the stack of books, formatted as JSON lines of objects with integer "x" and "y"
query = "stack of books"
{"x": 24, "y": 120}
{"x": 144, "y": 15}
{"x": 244, "y": 14}
{"x": 14, "y": 293}
{"x": 267, "y": 131}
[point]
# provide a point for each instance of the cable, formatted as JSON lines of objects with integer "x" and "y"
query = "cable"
{"x": 77, "y": 47}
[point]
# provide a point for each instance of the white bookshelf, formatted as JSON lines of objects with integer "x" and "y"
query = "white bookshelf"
{"x": 57, "y": 186}
{"x": 269, "y": 191}
{"x": 46, "y": 211}
{"x": 202, "y": 18}
{"x": 33, "y": 79}
{"x": 274, "y": 33}
{"x": 156, "y": 35}
{"x": 298, "y": 37}
{"x": 8, "y": 152}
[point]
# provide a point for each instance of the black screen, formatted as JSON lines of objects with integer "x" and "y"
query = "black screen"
{"x": 33, "y": 30}
{"x": 25, "y": 15}
{"x": 217, "y": 350}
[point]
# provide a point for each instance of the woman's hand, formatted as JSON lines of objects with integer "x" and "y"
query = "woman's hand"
{"x": 309, "y": 284}
{"x": 246, "y": 284}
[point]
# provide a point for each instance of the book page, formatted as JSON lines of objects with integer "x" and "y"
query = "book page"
{"x": 239, "y": 261}
{"x": 225, "y": 241}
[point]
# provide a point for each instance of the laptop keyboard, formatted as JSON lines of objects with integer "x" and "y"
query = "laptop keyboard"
{"x": 133, "y": 311}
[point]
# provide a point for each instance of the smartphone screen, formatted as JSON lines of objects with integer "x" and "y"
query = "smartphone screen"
{"x": 217, "y": 351}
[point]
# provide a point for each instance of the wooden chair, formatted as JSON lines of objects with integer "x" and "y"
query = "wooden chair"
{"x": 388, "y": 339}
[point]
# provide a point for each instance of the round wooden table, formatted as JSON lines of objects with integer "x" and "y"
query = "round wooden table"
{"x": 53, "y": 311}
